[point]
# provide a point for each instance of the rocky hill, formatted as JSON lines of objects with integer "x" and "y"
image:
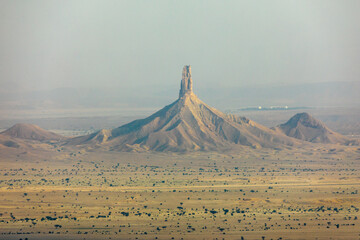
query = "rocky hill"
{"x": 304, "y": 127}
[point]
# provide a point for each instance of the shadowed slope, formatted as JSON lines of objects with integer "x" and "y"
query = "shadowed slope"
{"x": 7, "y": 141}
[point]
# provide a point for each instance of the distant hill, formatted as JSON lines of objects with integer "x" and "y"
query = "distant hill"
{"x": 32, "y": 132}
{"x": 304, "y": 127}
{"x": 186, "y": 124}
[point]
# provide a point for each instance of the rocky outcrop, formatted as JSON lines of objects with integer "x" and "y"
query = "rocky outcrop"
{"x": 186, "y": 81}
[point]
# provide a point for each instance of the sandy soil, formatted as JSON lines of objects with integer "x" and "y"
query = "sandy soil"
{"x": 289, "y": 194}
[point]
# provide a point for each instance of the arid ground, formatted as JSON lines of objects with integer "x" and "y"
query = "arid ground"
{"x": 57, "y": 193}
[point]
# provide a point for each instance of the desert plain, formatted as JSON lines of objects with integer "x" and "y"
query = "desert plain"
{"x": 54, "y": 192}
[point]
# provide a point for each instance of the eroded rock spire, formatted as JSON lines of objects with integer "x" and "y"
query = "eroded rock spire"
{"x": 186, "y": 81}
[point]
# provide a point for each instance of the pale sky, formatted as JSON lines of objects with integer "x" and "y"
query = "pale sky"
{"x": 53, "y": 44}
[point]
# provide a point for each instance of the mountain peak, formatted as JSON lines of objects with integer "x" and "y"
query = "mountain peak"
{"x": 306, "y": 120}
{"x": 186, "y": 81}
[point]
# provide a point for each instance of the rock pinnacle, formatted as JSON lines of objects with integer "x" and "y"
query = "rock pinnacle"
{"x": 186, "y": 81}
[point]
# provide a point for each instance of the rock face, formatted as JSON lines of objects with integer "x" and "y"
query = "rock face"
{"x": 304, "y": 127}
{"x": 31, "y": 132}
{"x": 188, "y": 124}
{"x": 186, "y": 82}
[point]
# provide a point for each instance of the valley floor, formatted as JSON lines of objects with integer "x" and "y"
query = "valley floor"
{"x": 310, "y": 193}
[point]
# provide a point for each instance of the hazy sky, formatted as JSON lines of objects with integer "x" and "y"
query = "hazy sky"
{"x": 51, "y": 44}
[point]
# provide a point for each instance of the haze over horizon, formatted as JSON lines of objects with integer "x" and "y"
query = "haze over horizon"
{"x": 139, "y": 47}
